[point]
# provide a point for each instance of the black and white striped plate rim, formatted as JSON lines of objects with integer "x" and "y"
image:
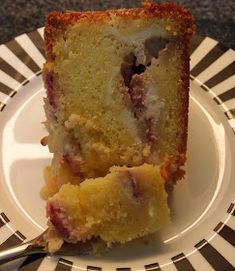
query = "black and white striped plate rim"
{"x": 212, "y": 67}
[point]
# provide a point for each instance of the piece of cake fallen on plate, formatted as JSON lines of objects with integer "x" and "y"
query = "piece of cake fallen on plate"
{"x": 125, "y": 204}
{"x": 117, "y": 95}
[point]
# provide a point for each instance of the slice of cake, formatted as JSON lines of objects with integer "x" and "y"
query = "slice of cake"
{"x": 117, "y": 95}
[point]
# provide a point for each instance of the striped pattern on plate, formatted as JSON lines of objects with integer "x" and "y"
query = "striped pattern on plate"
{"x": 213, "y": 68}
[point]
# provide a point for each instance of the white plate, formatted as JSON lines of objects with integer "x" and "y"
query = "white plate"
{"x": 201, "y": 235}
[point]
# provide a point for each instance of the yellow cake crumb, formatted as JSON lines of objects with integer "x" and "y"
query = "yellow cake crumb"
{"x": 125, "y": 204}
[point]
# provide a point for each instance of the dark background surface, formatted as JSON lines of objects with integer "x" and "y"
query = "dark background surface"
{"x": 215, "y": 19}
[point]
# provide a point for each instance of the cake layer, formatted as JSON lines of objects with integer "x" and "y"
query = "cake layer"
{"x": 125, "y": 204}
{"x": 117, "y": 91}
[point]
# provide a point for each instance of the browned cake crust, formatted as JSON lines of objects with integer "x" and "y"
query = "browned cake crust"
{"x": 57, "y": 22}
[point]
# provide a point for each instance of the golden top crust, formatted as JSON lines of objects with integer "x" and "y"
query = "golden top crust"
{"x": 57, "y": 22}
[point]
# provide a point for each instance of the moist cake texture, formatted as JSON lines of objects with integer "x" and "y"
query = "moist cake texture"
{"x": 117, "y": 95}
{"x": 126, "y": 206}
